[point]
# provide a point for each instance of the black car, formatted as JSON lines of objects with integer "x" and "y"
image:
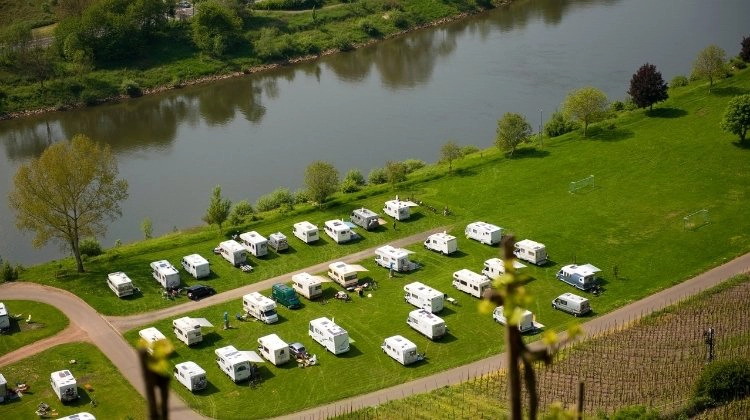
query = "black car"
{"x": 199, "y": 291}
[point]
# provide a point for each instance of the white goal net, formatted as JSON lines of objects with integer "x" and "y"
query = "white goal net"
{"x": 697, "y": 219}
{"x": 587, "y": 182}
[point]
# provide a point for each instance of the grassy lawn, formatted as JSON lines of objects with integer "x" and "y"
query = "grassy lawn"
{"x": 115, "y": 397}
{"x": 46, "y": 321}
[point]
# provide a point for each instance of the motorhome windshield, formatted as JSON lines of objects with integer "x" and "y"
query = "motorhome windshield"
{"x": 269, "y": 312}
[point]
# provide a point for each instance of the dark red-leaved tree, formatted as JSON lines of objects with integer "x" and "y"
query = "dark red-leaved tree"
{"x": 647, "y": 87}
{"x": 745, "y": 51}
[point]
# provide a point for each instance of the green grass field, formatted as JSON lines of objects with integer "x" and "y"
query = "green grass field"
{"x": 46, "y": 321}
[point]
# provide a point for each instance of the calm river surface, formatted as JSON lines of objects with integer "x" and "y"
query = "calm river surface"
{"x": 399, "y": 99}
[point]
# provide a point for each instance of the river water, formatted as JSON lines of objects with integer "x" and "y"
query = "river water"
{"x": 399, "y": 99}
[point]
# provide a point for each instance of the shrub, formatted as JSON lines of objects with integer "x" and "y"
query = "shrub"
{"x": 343, "y": 43}
{"x": 377, "y": 176}
{"x": 90, "y": 247}
{"x": 131, "y": 88}
{"x": 679, "y": 81}
{"x": 467, "y": 150}
{"x": 617, "y": 106}
{"x": 8, "y": 272}
{"x": 558, "y": 125}
{"x": 637, "y": 412}
{"x": 413, "y": 164}
{"x": 302, "y": 196}
{"x": 349, "y": 186}
{"x": 281, "y": 197}
{"x": 722, "y": 381}
{"x": 352, "y": 181}
{"x": 400, "y": 20}
{"x": 241, "y": 213}
{"x": 737, "y": 63}
{"x": 370, "y": 27}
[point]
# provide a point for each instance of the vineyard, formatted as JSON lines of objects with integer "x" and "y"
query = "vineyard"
{"x": 653, "y": 362}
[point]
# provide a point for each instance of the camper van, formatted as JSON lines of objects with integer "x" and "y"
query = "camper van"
{"x": 254, "y": 243}
{"x": 191, "y": 375}
{"x": 396, "y": 259}
{"x": 344, "y": 274}
{"x": 572, "y": 304}
{"x": 424, "y": 297}
{"x": 530, "y": 251}
{"x": 581, "y": 276}
{"x": 120, "y": 284}
{"x": 308, "y": 285}
{"x": 238, "y": 365}
{"x": 285, "y": 295}
{"x": 64, "y": 385}
{"x": 4, "y": 319}
{"x": 278, "y": 242}
{"x": 470, "y": 282}
{"x": 427, "y": 323}
{"x": 484, "y": 233}
{"x": 196, "y": 265}
{"x": 338, "y": 231}
{"x": 274, "y": 349}
{"x": 525, "y": 324}
{"x": 165, "y": 274}
{"x": 442, "y": 243}
{"x": 233, "y": 252}
{"x": 151, "y": 335}
{"x": 189, "y": 330}
{"x": 399, "y": 210}
{"x": 495, "y": 267}
{"x": 401, "y": 349}
{"x": 366, "y": 218}
{"x": 260, "y": 307}
{"x": 306, "y": 231}
{"x": 334, "y": 338}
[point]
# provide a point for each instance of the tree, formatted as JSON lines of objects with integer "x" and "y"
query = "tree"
{"x": 353, "y": 181}
{"x": 147, "y": 227}
{"x": 586, "y": 105}
{"x": 512, "y": 130}
{"x": 68, "y": 193}
{"x": 647, "y": 87}
{"x": 321, "y": 180}
{"x": 745, "y": 51}
{"x": 218, "y": 209}
{"x": 395, "y": 172}
{"x": 241, "y": 212}
{"x": 737, "y": 116}
{"x": 215, "y": 28}
{"x": 710, "y": 64}
{"x": 450, "y": 152}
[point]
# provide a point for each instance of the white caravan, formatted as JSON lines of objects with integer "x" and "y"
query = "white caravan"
{"x": 278, "y": 241}
{"x": 334, "y": 338}
{"x": 345, "y": 274}
{"x": 238, "y": 365}
{"x": 4, "y": 319}
{"x": 396, "y": 259}
{"x": 427, "y": 323}
{"x": 233, "y": 252}
{"x": 151, "y": 335}
{"x": 189, "y": 330}
{"x": 442, "y": 243}
{"x": 308, "y": 285}
{"x": 338, "y": 231}
{"x": 274, "y": 349}
{"x": 260, "y": 307}
{"x": 191, "y": 375}
{"x": 306, "y": 231}
{"x": 120, "y": 284}
{"x": 495, "y": 267}
{"x": 525, "y": 324}
{"x": 165, "y": 274}
{"x": 366, "y": 218}
{"x": 196, "y": 265}
{"x": 255, "y": 243}
{"x": 401, "y": 349}
{"x": 530, "y": 251}
{"x": 581, "y": 276}
{"x": 399, "y": 210}
{"x": 470, "y": 282}
{"x": 64, "y": 385}
{"x": 424, "y": 297}
{"x": 484, "y": 233}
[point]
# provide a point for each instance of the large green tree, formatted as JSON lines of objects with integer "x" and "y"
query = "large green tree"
{"x": 449, "y": 152}
{"x": 512, "y": 130}
{"x": 585, "y": 105}
{"x": 710, "y": 64}
{"x": 68, "y": 193}
{"x": 216, "y": 27}
{"x": 647, "y": 87}
{"x": 737, "y": 116}
{"x": 218, "y": 209}
{"x": 321, "y": 180}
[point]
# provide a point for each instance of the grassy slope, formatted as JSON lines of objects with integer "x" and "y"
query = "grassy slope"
{"x": 46, "y": 321}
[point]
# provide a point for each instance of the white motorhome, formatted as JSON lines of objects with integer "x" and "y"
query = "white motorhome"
{"x": 334, "y": 338}
{"x": 4, "y": 318}
{"x": 366, "y": 218}
{"x": 399, "y": 210}
{"x": 260, "y": 307}
{"x": 64, "y": 385}
{"x": 572, "y": 304}
{"x": 442, "y": 243}
{"x": 233, "y": 252}
{"x": 470, "y": 282}
{"x": 484, "y": 232}
{"x": 196, "y": 265}
{"x": 396, "y": 259}
{"x": 495, "y": 267}
{"x": 191, "y": 375}
{"x": 274, "y": 349}
{"x": 533, "y": 252}
{"x": 338, "y": 231}
{"x": 401, "y": 349}
{"x": 165, "y": 274}
{"x": 255, "y": 243}
{"x": 526, "y": 323}
{"x": 151, "y": 335}
{"x": 83, "y": 415}
{"x": 345, "y": 274}
{"x": 189, "y": 330}
{"x": 581, "y": 276}
{"x": 308, "y": 285}
{"x": 120, "y": 284}
{"x": 238, "y": 365}
{"x": 306, "y": 231}
{"x": 427, "y": 323}
{"x": 424, "y": 297}
{"x": 278, "y": 241}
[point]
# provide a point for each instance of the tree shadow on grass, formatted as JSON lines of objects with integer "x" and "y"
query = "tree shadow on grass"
{"x": 729, "y": 91}
{"x": 609, "y": 134}
{"x": 666, "y": 113}
{"x": 463, "y": 172}
{"x": 742, "y": 144}
{"x": 529, "y": 152}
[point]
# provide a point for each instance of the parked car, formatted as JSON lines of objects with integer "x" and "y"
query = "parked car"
{"x": 297, "y": 350}
{"x": 200, "y": 291}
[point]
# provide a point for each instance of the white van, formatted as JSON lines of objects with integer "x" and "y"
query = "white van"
{"x": 533, "y": 252}
{"x": 196, "y": 265}
{"x": 64, "y": 385}
{"x": 424, "y": 297}
{"x": 238, "y": 365}
{"x": 151, "y": 335}
{"x": 470, "y": 282}
{"x": 120, "y": 284}
{"x": 526, "y": 323}
{"x": 260, "y": 307}
{"x": 308, "y": 285}
{"x": 399, "y": 210}
{"x": 442, "y": 243}
{"x": 334, "y": 338}
{"x": 274, "y": 349}
{"x": 338, "y": 231}
{"x": 165, "y": 274}
{"x": 366, "y": 218}
{"x": 306, "y": 231}
{"x": 396, "y": 259}
{"x": 255, "y": 243}
{"x": 495, "y": 267}
{"x": 4, "y": 318}
{"x": 189, "y": 330}
{"x": 278, "y": 241}
{"x": 484, "y": 232}
{"x": 345, "y": 274}
{"x": 233, "y": 252}
{"x": 401, "y": 349}
{"x": 572, "y": 304}
{"x": 427, "y": 323}
{"x": 191, "y": 375}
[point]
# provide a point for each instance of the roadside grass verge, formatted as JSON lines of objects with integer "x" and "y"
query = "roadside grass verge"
{"x": 46, "y": 321}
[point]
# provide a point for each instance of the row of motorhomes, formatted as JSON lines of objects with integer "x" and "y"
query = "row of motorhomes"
{"x": 163, "y": 272}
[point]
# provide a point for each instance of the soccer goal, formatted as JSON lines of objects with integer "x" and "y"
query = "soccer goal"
{"x": 587, "y": 182}
{"x": 695, "y": 220}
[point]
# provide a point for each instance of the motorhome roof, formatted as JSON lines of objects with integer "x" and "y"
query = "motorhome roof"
{"x": 584, "y": 270}
{"x": 572, "y": 297}
{"x": 273, "y": 342}
{"x": 63, "y": 377}
{"x": 393, "y": 252}
{"x": 195, "y": 259}
{"x": 164, "y": 267}
{"x": 421, "y": 287}
{"x": 328, "y": 325}
{"x": 277, "y": 235}
{"x": 119, "y": 278}
{"x": 337, "y": 225}
{"x": 498, "y": 261}
{"x": 305, "y": 226}
{"x": 252, "y": 237}
{"x": 442, "y": 235}
{"x": 484, "y": 226}
{"x": 232, "y": 355}
{"x": 151, "y": 334}
{"x": 427, "y": 316}
{"x": 400, "y": 342}
{"x": 365, "y": 212}
{"x": 257, "y": 297}
{"x": 188, "y": 322}
{"x": 528, "y": 243}
{"x": 307, "y": 279}
{"x": 190, "y": 368}
{"x": 398, "y": 203}
{"x": 232, "y": 245}
{"x": 466, "y": 272}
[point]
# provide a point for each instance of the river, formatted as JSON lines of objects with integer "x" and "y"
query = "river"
{"x": 402, "y": 98}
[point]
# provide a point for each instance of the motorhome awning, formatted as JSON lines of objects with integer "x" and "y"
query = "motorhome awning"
{"x": 321, "y": 279}
{"x": 410, "y": 203}
{"x": 588, "y": 268}
{"x": 203, "y": 322}
{"x": 517, "y": 265}
{"x": 252, "y": 356}
{"x": 357, "y": 267}
{"x": 350, "y": 224}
